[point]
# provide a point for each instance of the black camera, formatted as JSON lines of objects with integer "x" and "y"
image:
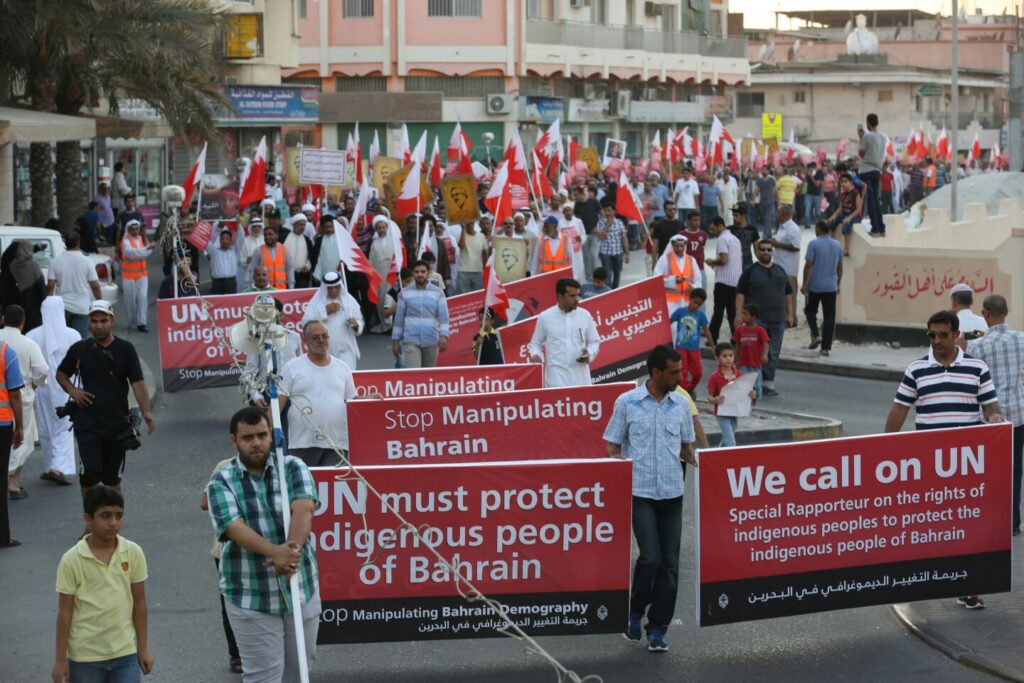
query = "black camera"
{"x": 66, "y": 410}
{"x": 129, "y": 438}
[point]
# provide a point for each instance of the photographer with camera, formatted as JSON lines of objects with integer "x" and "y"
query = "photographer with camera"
{"x": 96, "y": 373}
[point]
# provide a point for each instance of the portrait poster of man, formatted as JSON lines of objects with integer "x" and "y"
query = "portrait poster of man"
{"x": 614, "y": 150}
{"x": 589, "y": 156}
{"x": 459, "y": 194}
{"x": 510, "y": 258}
{"x": 383, "y": 168}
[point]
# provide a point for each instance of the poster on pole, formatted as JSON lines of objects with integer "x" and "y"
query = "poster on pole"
{"x": 511, "y": 256}
{"x": 459, "y": 193}
{"x": 190, "y": 356}
{"x": 533, "y": 424}
{"x": 631, "y": 320}
{"x": 322, "y": 166}
{"x": 814, "y": 526}
{"x": 383, "y": 169}
{"x": 548, "y": 540}
{"x": 591, "y": 157}
{"x": 527, "y": 298}
{"x": 467, "y": 379}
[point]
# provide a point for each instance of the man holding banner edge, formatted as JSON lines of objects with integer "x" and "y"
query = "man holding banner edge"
{"x": 646, "y": 425}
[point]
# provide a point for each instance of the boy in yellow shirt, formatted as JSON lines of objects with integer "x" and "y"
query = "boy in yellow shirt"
{"x": 101, "y": 613}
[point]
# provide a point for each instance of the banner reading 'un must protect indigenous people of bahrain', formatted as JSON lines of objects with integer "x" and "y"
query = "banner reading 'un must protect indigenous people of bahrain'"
{"x": 535, "y": 424}
{"x": 631, "y": 320}
{"x": 471, "y": 379}
{"x": 190, "y": 357}
{"x": 527, "y": 298}
{"x": 824, "y": 525}
{"x": 548, "y": 540}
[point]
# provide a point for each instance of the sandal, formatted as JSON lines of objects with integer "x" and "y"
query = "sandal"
{"x": 236, "y": 665}
{"x": 57, "y": 478}
{"x": 13, "y": 543}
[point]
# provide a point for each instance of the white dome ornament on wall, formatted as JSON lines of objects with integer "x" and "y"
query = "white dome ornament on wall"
{"x": 861, "y": 41}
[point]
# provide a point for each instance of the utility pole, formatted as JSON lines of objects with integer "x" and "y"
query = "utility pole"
{"x": 954, "y": 112}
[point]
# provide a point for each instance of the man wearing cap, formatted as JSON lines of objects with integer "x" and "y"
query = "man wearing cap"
{"x": 339, "y": 310}
{"x": 298, "y": 248}
{"x": 554, "y": 250}
{"x": 274, "y": 257}
{"x": 223, "y": 256}
{"x": 106, "y": 366}
{"x": 134, "y": 274}
{"x": 680, "y": 272}
{"x": 961, "y": 299}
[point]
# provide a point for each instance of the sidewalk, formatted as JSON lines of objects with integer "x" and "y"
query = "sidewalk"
{"x": 770, "y": 426}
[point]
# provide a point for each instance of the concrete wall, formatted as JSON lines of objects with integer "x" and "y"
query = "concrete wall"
{"x": 280, "y": 42}
{"x": 905, "y": 277}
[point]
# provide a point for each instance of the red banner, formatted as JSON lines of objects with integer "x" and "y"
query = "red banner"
{"x": 471, "y": 379}
{"x": 190, "y": 357}
{"x": 823, "y": 525}
{"x": 549, "y": 540}
{"x": 536, "y": 424}
{"x": 527, "y": 298}
{"x": 631, "y": 320}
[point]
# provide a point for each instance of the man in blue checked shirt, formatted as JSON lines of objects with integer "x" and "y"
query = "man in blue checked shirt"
{"x": 652, "y": 425}
{"x": 420, "y": 327}
{"x": 260, "y": 555}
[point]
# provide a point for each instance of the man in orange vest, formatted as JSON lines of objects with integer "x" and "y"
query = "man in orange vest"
{"x": 274, "y": 257}
{"x": 931, "y": 177}
{"x": 12, "y": 431}
{"x": 134, "y": 275}
{"x": 554, "y": 249}
{"x": 680, "y": 273}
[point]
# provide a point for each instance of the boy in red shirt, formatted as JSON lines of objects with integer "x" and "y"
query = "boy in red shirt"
{"x": 752, "y": 341}
{"x": 726, "y": 372}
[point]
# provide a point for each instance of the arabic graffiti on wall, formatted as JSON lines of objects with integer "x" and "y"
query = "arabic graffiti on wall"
{"x": 904, "y": 289}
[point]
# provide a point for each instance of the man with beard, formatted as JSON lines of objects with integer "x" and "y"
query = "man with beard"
{"x": 338, "y": 310}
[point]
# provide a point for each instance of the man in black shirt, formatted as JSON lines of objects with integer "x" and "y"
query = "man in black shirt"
{"x": 588, "y": 210}
{"x": 105, "y": 366}
{"x": 663, "y": 230}
{"x": 745, "y": 232}
{"x": 765, "y": 284}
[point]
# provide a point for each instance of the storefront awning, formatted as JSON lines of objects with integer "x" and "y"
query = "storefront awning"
{"x": 131, "y": 129}
{"x": 25, "y": 125}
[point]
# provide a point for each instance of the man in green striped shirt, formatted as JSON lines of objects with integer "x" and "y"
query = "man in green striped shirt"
{"x": 258, "y": 559}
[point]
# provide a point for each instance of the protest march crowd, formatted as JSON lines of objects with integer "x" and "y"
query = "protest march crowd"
{"x": 713, "y": 226}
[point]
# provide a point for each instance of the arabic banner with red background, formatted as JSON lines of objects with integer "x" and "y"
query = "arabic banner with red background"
{"x": 535, "y": 424}
{"x": 823, "y": 525}
{"x": 527, "y": 298}
{"x": 470, "y": 379}
{"x": 190, "y": 357}
{"x": 549, "y": 540}
{"x": 631, "y": 320}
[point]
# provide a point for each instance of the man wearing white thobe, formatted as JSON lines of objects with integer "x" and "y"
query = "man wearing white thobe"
{"x": 565, "y": 339}
{"x": 338, "y": 310}
{"x": 134, "y": 274}
{"x": 34, "y": 371}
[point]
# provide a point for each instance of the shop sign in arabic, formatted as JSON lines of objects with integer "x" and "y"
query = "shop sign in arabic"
{"x": 272, "y": 103}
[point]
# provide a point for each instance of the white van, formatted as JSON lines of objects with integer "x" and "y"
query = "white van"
{"x": 48, "y": 244}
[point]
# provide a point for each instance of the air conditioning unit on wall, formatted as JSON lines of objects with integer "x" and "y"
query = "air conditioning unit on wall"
{"x": 620, "y": 103}
{"x": 499, "y": 104}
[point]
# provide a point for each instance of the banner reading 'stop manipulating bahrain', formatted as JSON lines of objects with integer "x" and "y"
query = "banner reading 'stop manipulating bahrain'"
{"x": 548, "y": 540}
{"x": 190, "y": 357}
{"x": 423, "y": 382}
{"x": 527, "y": 298}
{"x": 631, "y": 320}
{"x": 823, "y": 525}
{"x": 535, "y": 424}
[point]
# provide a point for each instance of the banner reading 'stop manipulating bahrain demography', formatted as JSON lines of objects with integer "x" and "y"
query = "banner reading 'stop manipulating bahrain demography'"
{"x": 534, "y": 424}
{"x": 527, "y": 298}
{"x": 548, "y": 540}
{"x": 190, "y": 356}
{"x": 822, "y": 525}
{"x": 423, "y": 382}
{"x": 631, "y": 320}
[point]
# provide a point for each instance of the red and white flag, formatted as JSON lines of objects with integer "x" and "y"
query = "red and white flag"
{"x": 458, "y": 141}
{"x": 995, "y": 158}
{"x": 515, "y": 158}
{"x": 436, "y": 171}
{"x": 404, "y": 147}
{"x": 362, "y": 201}
{"x": 975, "y": 153}
{"x": 400, "y": 258}
{"x": 499, "y": 198}
{"x": 541, "y": 186}
{"x": 409, "y": 198}
{"x": 355, "y": 260}
{"x": 626, "y": 203}
{"x": 791, "y": 152}
{"x": 374, "y": 151}
{"x": 574, "y": 149}
{"x": 890, "y": 151}
{"x": 195, "y": 177}
{"x": 419, "y": 153}
{"x": 358, "y": 157}
{"x": 200, "y": 235}
{"x": 495, "y": 296}
{"x": 254, "y": 189}
{"x": 942, "y": 147}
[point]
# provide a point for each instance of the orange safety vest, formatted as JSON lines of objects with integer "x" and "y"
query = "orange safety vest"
{"x": 547, "y": 261}
{"x": 931, "y": 179}
{"x": 276, "y": 268}
{"x": 133, "y": 269}
{"x": 6, "y": 412}
{"x": 682, "y": 291}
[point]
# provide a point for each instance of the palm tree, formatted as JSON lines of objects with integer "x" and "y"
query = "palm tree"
{"x": 63, "y": 55}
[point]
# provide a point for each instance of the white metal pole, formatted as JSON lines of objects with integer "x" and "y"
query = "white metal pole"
{"x": 954, "y": 111}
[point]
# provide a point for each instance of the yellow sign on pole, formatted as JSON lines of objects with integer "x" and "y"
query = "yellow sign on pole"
{"x": 771, "y": 126}
{"x": 459, "y": 193}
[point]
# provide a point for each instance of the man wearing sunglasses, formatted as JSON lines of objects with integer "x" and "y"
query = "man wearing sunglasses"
{"x": 947, "y": 388}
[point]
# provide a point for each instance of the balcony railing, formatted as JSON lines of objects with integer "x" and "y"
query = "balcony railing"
{"x": 580, "y": 34}
{"x": 986, "y": 119}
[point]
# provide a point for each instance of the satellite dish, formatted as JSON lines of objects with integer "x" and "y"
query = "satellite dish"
{"x": 771, "y": 50}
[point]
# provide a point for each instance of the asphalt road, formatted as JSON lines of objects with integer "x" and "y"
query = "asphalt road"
{"x": 162, "y": 486}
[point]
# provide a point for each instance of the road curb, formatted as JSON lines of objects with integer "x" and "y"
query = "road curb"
{"x": 836, "y": 369}
{"x": 958, "y": 652}
{"x": 830, "y": 429}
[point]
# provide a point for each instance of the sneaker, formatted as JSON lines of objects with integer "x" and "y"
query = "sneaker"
{"x": 656, "y": 640}
{"x": 815, "y": 343}
{"x": 825, "y": 352}
{"x": 769, "y": 391}
{"x": 633, "y": 631}
{"x": 971, "y": 602}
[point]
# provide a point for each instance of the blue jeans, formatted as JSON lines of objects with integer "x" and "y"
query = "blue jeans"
{"x": 657, "y": 525}
{"x": 120, "y": 670}
{"x": 728, "y": 427}
{"x": 758, "y": 383}
{"x": 775, "y": 332}
{"x": 873, "y": 201}
{"x": 768, "y": 222}
{"x": 812, "y": 209}
{"x": 613, "y": 264}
